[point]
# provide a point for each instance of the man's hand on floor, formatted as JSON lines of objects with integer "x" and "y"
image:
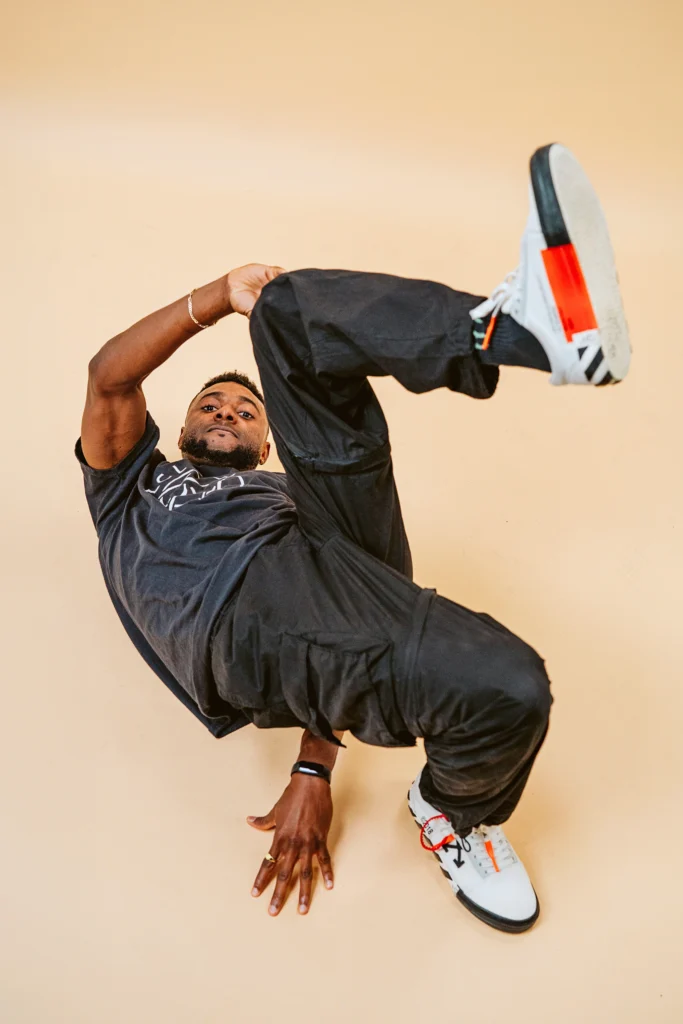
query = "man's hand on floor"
{"x": 301, "y": 819}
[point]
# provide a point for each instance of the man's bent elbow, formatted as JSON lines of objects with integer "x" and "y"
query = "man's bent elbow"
{"x": 102, "y": 381}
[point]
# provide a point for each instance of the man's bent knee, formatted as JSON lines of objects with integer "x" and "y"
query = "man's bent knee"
{"x": 524, "y": 687}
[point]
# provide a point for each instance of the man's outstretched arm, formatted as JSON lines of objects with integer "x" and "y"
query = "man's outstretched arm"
{"x": 115, "y": 408}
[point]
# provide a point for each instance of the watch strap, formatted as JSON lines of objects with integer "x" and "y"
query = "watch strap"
{"x": 312, "y": 768}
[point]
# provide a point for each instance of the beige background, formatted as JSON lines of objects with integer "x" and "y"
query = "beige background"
{"x": 150, "y": 146}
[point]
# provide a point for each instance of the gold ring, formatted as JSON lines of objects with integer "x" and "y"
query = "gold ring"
{"x": 270, "y": 857}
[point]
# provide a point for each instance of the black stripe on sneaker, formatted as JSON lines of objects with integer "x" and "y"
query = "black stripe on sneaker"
{"x": 593, "y": 368}
{"x": 547, "y": 203}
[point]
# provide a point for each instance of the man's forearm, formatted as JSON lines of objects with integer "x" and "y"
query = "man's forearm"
{"x": 315, "y": 749}
{"x": 128, "y": 358}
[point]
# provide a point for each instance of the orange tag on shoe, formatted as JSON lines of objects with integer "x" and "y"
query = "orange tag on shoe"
{"x": 569, "y": 290}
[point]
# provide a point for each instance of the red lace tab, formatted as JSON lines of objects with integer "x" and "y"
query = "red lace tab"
{"x": 448, "y": 839}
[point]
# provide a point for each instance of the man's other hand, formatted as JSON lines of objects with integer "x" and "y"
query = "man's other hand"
{"x": 245, "y": 285}
{"x": 301, "y": 819}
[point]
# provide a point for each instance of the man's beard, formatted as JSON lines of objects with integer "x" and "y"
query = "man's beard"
{"x": 244, "y": 456}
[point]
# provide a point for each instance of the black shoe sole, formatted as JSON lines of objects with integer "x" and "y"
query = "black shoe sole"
{"x": 570, "y": 214}
{"x": 548, "y": 205}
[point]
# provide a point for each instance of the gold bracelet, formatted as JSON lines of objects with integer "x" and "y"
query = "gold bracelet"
{"x": 192, "y": 316}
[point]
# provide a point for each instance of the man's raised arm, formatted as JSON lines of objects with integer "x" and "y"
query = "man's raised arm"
{"x": 115, "y": 410}
{"x": 128, "y": 358}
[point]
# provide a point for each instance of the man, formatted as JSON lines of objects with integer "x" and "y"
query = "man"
{"x": 286, "y": 600}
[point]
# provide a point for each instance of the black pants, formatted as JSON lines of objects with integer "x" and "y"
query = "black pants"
{"x": 328, "y": 631}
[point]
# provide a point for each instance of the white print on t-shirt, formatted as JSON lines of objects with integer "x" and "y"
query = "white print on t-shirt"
{"x": 169, "y": 485}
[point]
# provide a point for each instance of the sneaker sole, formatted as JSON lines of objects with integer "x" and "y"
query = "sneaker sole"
{"x": 580, "y": 252}
{"x": 502, "y": 924}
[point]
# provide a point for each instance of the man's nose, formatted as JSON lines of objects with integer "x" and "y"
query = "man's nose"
{"x": 225, "y": 414}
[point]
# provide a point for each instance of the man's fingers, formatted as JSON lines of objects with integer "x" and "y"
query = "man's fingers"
{"x": 325, "y": 862}
{"x": 306, "y": 880}
{"x": 264, "y": 824}
{"x": 285, "y": 868}
{"x": 265, "y": 874}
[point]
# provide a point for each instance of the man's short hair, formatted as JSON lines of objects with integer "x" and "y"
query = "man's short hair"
{"x": 232, "y": 378}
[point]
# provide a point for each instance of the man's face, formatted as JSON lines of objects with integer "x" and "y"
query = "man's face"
{"x": 226, "y": 425}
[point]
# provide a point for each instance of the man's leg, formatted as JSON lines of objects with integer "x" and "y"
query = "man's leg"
{"x": 483, "y": 710}
{"x": 482, "y": 700}
{"x": 317, "y": 336}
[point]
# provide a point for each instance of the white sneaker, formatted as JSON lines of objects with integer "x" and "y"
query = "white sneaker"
{"x": 485, "y": 873}
{"x": 565, "y": 290}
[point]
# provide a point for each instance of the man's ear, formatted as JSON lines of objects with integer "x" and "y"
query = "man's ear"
{"x": 182, "y": 431}
{"x": 265, "y": 452}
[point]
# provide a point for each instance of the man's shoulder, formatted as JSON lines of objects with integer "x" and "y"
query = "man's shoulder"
{"x": 107, "y": 490}
{"x": 271, "y": 477}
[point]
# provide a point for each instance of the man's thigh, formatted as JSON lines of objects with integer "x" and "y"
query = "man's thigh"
{"x": 331, "y": 437}
{"x": 360, "y": 504}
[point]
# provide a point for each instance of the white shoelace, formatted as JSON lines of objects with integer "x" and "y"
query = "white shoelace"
{"x": 496, "y": 301}
{"x": 490, "y": 836}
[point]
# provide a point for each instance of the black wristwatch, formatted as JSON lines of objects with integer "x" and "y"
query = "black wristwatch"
{"x": 313, "y": 768}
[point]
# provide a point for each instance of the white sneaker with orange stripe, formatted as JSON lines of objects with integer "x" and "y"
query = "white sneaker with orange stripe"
{"x": 485, "y": 873}
{"x": 565, "y": 290}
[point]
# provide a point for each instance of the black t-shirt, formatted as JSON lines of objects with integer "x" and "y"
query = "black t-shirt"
{"x": 175, "y": 540}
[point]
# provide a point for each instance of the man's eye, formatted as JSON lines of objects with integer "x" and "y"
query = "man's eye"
{"x": 207, "y": 407}
{"x": 247, "y": 414}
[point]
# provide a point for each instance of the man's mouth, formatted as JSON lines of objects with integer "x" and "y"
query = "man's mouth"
{"x": 227, "y": 430}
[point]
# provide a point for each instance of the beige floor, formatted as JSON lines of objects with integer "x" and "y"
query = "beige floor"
{"x": 148, "y": 147}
